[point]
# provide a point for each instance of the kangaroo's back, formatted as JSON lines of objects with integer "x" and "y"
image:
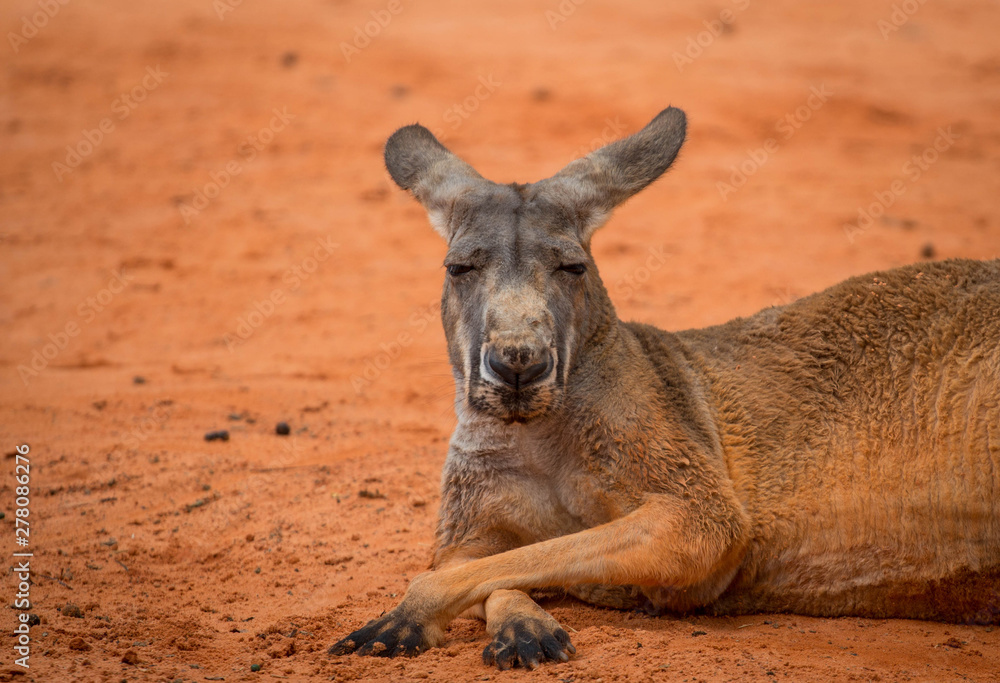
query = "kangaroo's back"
{"x": 861, "y": 428}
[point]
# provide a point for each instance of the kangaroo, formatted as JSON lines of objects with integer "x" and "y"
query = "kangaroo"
{"x": 839, "y": 455}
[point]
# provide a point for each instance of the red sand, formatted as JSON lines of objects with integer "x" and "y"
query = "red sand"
{"x": 201, "y": 559}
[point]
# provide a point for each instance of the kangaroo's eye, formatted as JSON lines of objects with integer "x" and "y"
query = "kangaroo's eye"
{"x": 459, "y": 269}
{"x": 575, "y": 268}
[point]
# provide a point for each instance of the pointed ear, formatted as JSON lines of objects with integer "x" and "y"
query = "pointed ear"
{"x": 436, "y": 177}
{"x": 594, "y": 185}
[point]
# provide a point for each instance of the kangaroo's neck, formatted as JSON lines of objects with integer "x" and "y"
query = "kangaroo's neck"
{"x": 637, "y": 377}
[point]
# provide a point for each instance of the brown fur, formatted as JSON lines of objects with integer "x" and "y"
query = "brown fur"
{"x": 836, "y": 456}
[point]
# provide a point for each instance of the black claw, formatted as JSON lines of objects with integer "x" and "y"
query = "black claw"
{"x": 528, "y": 651}
{"x": 410, "y": 646}
{"x": 506, "y": 657}
{"x": 342, "y": 647}
{"x": 564, "y": 640}
{"x": 552, "y": 648}
{"x": 377, "y": 648}
{"x": 367, "y": 649}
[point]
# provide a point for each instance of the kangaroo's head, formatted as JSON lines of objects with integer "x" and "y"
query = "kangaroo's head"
{"x": 522, "y": 299}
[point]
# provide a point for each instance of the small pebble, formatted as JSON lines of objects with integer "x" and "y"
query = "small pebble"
{"x": 255, "y": 667}
{"x": 282, "y": 429}
{"x": 79, "y": 643}
{"x": 71, "y": 610}
{"x": 138, "y": 379}
{"x": 130, "y": 657}
{"x": 541, "y": 94}
{"x": 928, "y": 251}
{"x": 218, "y": 435}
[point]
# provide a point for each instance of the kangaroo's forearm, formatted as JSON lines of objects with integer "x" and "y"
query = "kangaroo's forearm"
{"x": 652, "y": 546}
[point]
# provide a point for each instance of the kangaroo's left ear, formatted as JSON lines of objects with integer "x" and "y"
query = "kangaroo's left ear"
{"x": 594, "y": 185}
{"x": 436, "y": 177}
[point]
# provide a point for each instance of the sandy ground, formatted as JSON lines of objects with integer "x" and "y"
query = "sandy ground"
{"x": 197, "y": 234}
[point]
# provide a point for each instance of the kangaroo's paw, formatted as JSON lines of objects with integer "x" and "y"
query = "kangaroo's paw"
{"x": 393, "y": 635}
{"x": 528, "y": 640}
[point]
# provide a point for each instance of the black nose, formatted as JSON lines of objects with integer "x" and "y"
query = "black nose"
{"x": 516, "y": 374}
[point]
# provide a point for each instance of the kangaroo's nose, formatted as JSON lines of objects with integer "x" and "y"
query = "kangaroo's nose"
{"x": 516, "y": 372}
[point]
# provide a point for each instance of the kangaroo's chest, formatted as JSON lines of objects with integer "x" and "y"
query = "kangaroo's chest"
{"x": 570, "y": 493}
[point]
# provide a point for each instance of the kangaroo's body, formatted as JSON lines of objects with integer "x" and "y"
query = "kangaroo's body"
{"x": 839, "y": 455}
{"x": 861, "y": 431}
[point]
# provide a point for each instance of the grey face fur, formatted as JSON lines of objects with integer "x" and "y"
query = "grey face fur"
{"x": 522, "y": 298}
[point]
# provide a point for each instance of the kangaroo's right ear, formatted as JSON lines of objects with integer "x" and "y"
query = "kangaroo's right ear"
{"x": 436, "y": 177}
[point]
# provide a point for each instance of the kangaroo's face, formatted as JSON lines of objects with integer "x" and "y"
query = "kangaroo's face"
{"x": 522, "y": 298}
{"x": 515, "y": 301}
